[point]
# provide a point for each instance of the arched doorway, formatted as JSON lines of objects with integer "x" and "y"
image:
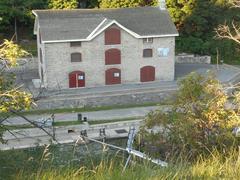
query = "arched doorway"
{"x": 113, "y": 76}
{"x": 76, "y": 79}
{"x": 147, "y": 73}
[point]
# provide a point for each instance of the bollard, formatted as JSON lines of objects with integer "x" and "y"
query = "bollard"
{"x": 79, "y": 116}
{"x": 102, "y": 132}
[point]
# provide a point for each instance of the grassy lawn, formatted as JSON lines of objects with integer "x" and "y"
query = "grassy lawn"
{"x": 216, "y": 166}
{"x": 56, "y": 124}
{"x": 67, "y": 123}
{"x": 114, "y": 120}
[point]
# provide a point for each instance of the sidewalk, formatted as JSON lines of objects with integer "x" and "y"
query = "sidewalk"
{"x": 33, "y": 137}
{"x": 137, "y": 112}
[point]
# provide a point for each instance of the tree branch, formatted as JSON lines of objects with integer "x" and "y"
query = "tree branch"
{"x": 33, "y": 123}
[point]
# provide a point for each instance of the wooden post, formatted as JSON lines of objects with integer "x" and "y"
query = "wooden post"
{"x": 217, "y": 58}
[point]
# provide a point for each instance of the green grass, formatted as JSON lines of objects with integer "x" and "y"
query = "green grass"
{"x": 215, "y": 166}
{"x": 56, "y": 124}
{"x": 113, "y": 120}
{"x": 67, "y": 123}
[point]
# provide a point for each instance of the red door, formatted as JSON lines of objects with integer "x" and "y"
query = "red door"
{"x": 147, "y": 73}
{"x": 76, "y": 79}
{"x": 113, "y": 76}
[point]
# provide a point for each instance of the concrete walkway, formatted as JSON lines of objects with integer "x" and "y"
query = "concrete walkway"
{"x": 137, "y": 112}
{"x": 25, "y": 138}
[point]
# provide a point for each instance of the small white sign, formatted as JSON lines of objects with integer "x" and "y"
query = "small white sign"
{"x": 116, "y": 75}
{"x": 80, "y": 77}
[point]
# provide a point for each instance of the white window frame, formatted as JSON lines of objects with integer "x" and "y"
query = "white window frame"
{"x": 147, "y": 40}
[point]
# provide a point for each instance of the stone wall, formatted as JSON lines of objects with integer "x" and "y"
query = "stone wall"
{"x": 25, "y": 65}
{"x": 100, "y": 100}
{"x": 189, "y": 58}
{"x": 58, "y": 64}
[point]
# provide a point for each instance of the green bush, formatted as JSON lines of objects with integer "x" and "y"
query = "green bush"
{"x": 199, "y": 122}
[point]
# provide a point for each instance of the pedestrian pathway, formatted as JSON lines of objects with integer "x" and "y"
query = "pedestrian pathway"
{"x": 33, "y": 137}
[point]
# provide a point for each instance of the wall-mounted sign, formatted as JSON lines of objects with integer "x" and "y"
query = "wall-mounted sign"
{"x": 163, "y": 52}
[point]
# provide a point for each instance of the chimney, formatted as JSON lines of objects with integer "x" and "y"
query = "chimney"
{"x": 162, "y": 4}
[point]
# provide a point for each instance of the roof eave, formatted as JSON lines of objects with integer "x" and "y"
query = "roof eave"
{"x": 140, "y": 37}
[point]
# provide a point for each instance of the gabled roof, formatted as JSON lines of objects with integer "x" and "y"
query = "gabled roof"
{"x": 85, "y": 24}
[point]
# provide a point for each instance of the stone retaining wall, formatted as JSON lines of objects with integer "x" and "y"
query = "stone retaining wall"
{"x": 97, "y": 101}
{"x": 189, "y": 58}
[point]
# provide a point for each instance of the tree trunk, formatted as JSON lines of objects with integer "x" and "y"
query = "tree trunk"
{"x": 15, "y": 29}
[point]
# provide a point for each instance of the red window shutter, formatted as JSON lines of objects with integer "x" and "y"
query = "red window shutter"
{"x": 112, "y": 56}
{"x": 112, "y": 36}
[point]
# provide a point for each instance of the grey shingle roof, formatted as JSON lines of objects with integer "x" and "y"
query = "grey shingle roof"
{"x": 78, "y": 24}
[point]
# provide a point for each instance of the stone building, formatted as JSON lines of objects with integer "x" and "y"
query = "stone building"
{"x": 98, "y": 47}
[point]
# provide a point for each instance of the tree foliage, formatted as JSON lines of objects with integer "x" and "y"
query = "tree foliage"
{"x": 63, "y": 4}
{"x": 200, "y": 121}
{"x": 11, "y": 97}
{"x": 126, "y": 3}
{"x": 232, "y": 32}
{"x": 15, "y": 12}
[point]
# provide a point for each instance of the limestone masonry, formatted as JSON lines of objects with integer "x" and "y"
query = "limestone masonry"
{"x": 90, "y": 48}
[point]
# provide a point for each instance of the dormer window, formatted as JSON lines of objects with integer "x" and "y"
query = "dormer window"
{"x": 76, "y": 44}
{"x": 147, "y": 40}
{"x": 112, "y": 36}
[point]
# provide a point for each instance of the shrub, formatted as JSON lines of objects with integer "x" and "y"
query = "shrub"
{"x": 200, "y": 121}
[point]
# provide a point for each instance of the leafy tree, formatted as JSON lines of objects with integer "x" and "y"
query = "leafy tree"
{"x": 203, "y": 119}
{"x": 63, "y": 4}
{"x": 180, "y": 10}
{"x": 232, "y": 31}
{"x": 126, "y": 3}
{"x": 12, "y": 98}
{"x": 14, "y": 12}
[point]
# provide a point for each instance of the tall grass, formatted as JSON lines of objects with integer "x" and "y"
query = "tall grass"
{"x": 215, "y": 166}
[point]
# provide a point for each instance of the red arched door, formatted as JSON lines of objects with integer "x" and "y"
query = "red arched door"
{"x": 113, "y": 76}
{"x": 147, "y": 73}
{"x": 76, "y": 79}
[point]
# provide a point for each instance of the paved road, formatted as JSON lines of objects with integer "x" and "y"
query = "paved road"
{"x": 224, "y": 73}
{"x": 138, "y": 112}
